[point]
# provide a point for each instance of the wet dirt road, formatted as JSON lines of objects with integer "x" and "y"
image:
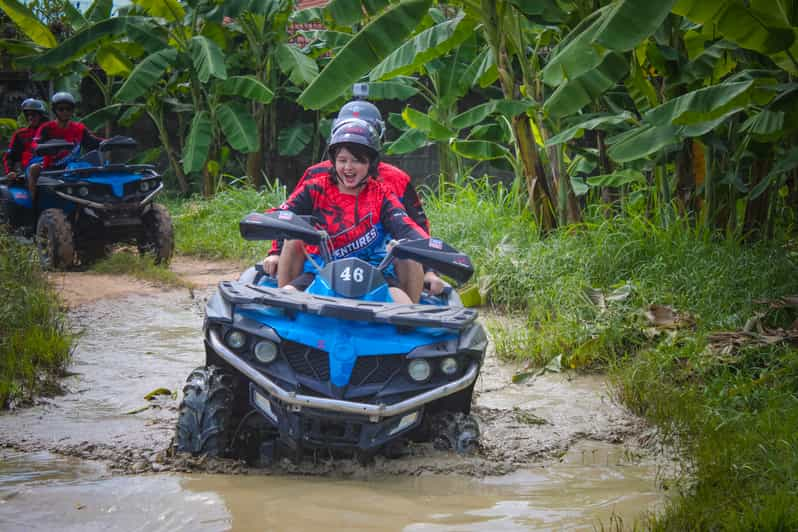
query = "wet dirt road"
{"x": 556, "y": 452}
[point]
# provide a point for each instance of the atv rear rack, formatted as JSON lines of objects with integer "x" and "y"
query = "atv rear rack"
{"x": 349, "y": 309}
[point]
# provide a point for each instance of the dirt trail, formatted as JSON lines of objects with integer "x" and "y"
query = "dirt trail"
{"x": 138, "y": 336}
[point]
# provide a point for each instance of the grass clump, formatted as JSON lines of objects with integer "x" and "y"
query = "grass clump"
{"x": 35, "y": 344}
{"x": 124, "y": 262}
{"x": 209, "y": 227}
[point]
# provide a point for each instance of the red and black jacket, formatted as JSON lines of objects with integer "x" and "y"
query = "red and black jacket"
{"x": 74, "y": 132}
{"x": 358, "y": 224}
{"x": 20, "y": 149}
{"x": 392, "y": 177}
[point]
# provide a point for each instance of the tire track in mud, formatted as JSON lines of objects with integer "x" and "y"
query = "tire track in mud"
{"x": 135, "y": 341}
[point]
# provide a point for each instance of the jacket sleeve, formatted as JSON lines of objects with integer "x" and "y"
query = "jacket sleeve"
{"x": 397, "y": 222}
{"x": 13, "y": 154}
{"x": 277, "y": 245}
{"x": 413, "y": 206}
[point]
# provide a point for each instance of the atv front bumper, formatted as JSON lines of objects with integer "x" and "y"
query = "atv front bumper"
{"x": 374, "y": 412}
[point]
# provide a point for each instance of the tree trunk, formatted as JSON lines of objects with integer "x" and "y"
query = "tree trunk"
{"x": 540, "y": 197}
{"x": 685, "y": 180}
{"x": 756, "y": 212}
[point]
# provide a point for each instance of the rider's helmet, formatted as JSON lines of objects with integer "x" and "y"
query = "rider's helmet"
{"x": 37, "y": 106}
{"x": 363, "y": 110}
{"x": 361, "y": 137}
{"x": 62, "y": 98}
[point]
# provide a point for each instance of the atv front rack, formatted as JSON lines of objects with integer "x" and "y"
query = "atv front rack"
{"x": 349, "y": 309}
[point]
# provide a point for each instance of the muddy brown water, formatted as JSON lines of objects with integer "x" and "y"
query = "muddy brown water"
{"x": 556, "y": 452}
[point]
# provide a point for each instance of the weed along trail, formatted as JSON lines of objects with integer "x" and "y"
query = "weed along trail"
{"x": 555, "y": 450}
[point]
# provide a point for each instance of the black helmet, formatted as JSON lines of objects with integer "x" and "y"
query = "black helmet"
{"x": 359, "y": 133}
{"x": 62, "y": 97}
{"x": 32, "y": 104}
{"x": 363, "y": 110}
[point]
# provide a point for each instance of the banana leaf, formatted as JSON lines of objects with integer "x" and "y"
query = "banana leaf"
{"x": 292, "y": 140}
{"x": 629, "y": 22}
{"x": 198, "y": 142}
{"x": 248, "y": 87}
{"x": 409, "y": 141}
{"x": 643, "y": 141}
{"x": 300, "y": 68}
{"x": 113, "y": 60}
{"x": 378, "y": 39}
{"x": 578, "y": 130}
{"x": 480, "y": 150}
{"x": 431, "y": 127}
{"x": 477, "y": 114}
{"x": 146, "y": 75}
{"x": 427, "y": 45}
{"x": 576, "y": 93}
{"x": 169, "y": 10}
{"x": 99, "y": 10}
{"x": 391, "y": 90}
{"x": 207, "y": 58}
{"x": 238, "y": 126}
{"x": 28, "y": 23}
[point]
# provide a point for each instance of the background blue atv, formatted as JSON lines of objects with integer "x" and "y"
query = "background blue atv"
{"x": 91, "y": 203}
{"x": 339, "y": 366}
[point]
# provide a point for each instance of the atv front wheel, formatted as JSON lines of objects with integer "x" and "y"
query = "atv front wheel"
{"x": 204, "y": 425}
{"x": 54, "y": 240}
{"x": 158, "y": 237}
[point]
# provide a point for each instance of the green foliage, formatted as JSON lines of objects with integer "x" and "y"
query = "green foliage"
{"x": 209, "y": 228}
{"x": 35, "y": 343}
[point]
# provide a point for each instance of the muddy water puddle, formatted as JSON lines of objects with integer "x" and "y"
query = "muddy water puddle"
{"x": 555, "y": 451}
{"x": 594, "y": 484}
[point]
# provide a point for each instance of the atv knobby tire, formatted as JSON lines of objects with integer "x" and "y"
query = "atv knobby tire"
{"x": 158, "y": 236}
{"x": 54, "y": 240}
{"x": 204, "y": 425}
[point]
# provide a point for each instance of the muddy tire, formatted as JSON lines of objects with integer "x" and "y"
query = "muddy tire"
{"x": 54, "y": 240}
{"x": 157, "y": 236}
{"x": 204, "y": 425}
{"x": 455, "y": 431}
{"x": 92, "y": 252}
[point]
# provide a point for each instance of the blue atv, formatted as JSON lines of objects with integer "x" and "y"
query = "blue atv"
{"x": 340, "y": 366}
{"x": 93, "y": 202}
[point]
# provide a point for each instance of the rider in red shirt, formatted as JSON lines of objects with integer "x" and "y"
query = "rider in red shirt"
{"x": 356, "y": 210}
{"x": 20, "y": 149}
{"x": 394, "y": 178}
{"x": 64, "y": 128}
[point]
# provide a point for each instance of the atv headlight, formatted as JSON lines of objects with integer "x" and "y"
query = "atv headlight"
{"x": 449, "y": 366}
{"x": 83, "y": 192}
{"x": 419, "y": 370}
{"x": 144, "y": 186}
{"x": 236, "y": 339}
{"x": 265, "y": 351}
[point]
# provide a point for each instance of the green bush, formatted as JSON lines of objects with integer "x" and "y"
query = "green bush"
{"x": 34, "y": 342}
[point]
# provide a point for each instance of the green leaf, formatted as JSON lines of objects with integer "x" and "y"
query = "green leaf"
{"x": 766, "y": 125}
{"x": 74, "y": 17}
{"x": 146, "y": 75}
{"x": 198, "y": 142}
{"x": 391, "y": 90}
{"x": 640, "y": 88}
{"x": 248, "y": 87}
{"x": 701, "y": 105}
{"x": 629, "y": 22}
{"x": 292, "y": 140}
{"x": 481, "y": 71}
{"x": 432, "y": 128}
{"x": 300, "y": 68}
{"x": 378, "y": 39}
{"x": 477, "y": 114}
{"x": 238, "y": 126}
{"x": 28, "y": 23}
{"x": 738, "y": 24}
{"x": 424, "y": 47}
{"x": 617, "y": 179}
{"x": 170, "y": 10}
{"x": 573, "y": 95}
{"x": 87, "y": 39}
{"x": 98, "y": 118}
{"x": 409, "y": 141}
{"x": 579, "y": 186}
{"x": 643, "y": 141}
{"x": 348, "y": 12}
{"x": 99, "y": 10}
{"x": 480, "y": 150}
{"x": 113, "y": 61}
{"x": 576, "y": 55}
{"x": 579, "y": 129}
{"x": 207, "y": 58}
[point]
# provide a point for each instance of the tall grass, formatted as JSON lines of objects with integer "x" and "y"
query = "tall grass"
{"x": 209, "y": 227}
{"x": 34, "y": 341}
{"x": 734, "y": 413}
